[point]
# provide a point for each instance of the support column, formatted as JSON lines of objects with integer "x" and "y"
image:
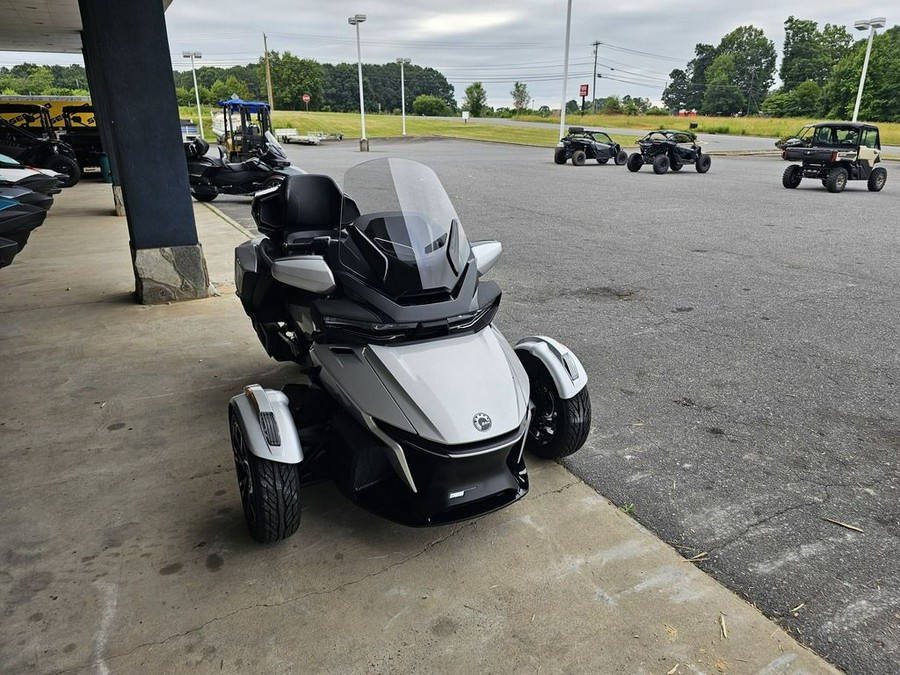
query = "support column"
{"x": 130, "y": 74}
{"x": 101, "y": 118}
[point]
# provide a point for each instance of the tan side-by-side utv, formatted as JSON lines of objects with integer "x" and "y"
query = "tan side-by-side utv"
{"x": 834, "y": 152}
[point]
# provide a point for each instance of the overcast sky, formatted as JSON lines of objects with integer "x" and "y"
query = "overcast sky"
{"x": 495, "y": 42}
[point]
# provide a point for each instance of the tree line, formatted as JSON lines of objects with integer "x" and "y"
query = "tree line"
{"x": 819, "y": 74}
{"x": 331, "y": 87}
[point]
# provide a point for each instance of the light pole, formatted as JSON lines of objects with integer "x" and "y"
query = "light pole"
{"x": 402, "y": 61}
{"x": 870, "y": 24}
{"x": 562, "y": 106}
{"x": 355, "y": 20}
{"x": 192, "y": 56}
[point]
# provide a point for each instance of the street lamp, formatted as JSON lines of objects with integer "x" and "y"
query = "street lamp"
{"x": 871, "y": 25}
{"x": 355, "y": 20}
{"x": 565, "y": 84}
{"x": 192, "y": 56}
{"x": 402, "y": 61}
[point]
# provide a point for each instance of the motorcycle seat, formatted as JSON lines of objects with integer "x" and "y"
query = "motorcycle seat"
{"x": 236, "y": 166}
{"x": 303, "y": 207}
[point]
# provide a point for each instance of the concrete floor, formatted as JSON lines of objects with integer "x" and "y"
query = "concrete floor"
{"x": 124, "y": 548}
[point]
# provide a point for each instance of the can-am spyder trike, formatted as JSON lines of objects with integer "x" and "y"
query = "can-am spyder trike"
{"x": 416, "y": 406}
{"x": 209, "y": 176}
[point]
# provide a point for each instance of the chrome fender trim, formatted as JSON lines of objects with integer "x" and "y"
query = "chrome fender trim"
{"x": 268, "y": 427}
{"x": 565, "y": 368}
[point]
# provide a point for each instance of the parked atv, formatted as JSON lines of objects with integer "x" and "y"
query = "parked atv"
{"x": 834, "y": 152}
{"x": 209, "y": 177}
{"x": 416, "y": 405}
{"x": 669, "y": 149}
{"x": 31, "y": 139}
{"x": 582, "y": 144}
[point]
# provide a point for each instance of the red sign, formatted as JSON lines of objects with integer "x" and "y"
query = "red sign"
{"x": 306, "y": 98}
{"x": 584, "y": 90}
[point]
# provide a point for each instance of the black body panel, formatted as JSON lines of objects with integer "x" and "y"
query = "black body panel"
{"x": 449, "y": 488}
{"x": 25, "y": 196}
{"x": 8, "y": 251}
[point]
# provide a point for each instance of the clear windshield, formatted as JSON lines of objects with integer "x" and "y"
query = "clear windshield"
{"x": 406, "y": 238}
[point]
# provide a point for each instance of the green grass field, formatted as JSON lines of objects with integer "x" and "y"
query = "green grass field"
{"x": 381, "y": 126}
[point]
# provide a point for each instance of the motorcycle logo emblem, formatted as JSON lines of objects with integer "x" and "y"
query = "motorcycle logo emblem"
{"x": 481, "y": 421}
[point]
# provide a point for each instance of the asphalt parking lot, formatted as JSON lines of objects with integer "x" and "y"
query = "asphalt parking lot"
{"x": 741, "y": 341}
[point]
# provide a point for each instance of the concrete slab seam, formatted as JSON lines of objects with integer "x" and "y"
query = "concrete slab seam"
{"x": 231, "y": 221}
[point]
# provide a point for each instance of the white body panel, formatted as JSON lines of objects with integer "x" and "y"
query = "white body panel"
{"x": 288, "y": 449}
{"x": 486, "y": 253}
{"x": 308, "y": 273}
{"x": 433, "y": 389}
{"x": 565, "y": 368}
{"x": 15, "y": 175}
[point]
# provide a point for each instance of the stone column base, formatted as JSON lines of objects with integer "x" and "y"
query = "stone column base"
{"x": 171, "y": 274}
{"x": 118, "y": 200}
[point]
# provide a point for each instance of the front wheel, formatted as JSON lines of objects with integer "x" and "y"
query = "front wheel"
{"x": 703, "y": 163}
{"x": 621, "y": 157}
{"x": 792, "y": 176}
{"x": 579, "y": 157}
{"x": 66, "y": 166}
{"x": 270, "y": 491}
{"x": 207, "y": 195}
{"x": 559, "y": 426}
{"x": 836, "y": 180}
{"x": 559, "y": 156}
{"x": 635, "y": 162}
{"x": 877, "y": 179}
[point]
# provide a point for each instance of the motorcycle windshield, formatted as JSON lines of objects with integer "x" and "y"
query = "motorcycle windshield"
{"x": 406, "y": 240}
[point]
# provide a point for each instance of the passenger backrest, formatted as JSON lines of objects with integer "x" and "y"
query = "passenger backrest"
{"x": 306, "y": 203}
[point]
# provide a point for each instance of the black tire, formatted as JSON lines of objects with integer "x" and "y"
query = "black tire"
{"x": 661, "y": 164}
{"x": 792, "y": 176}
{"x": 602, "y": 160}
{"x": 206, "y": 195}
{"x": 559, "y": 427}
{"x": 270, "y": 491}
{"x": 676, "y": 166}
{"x": 836, "y": 180}
{"x": 621, "y": 157}
{"x": 579, "y": 157}
{"x": 67, "y": 166}
{"x": 635, "y": 162}
{"x": 703, "y": 163}
{"x": 559, "y": 156}
{"x": 877, "y": 179}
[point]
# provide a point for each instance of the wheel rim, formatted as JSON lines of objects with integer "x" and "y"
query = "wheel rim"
{"x": 242, "y": 469}
{"x": 543, "y": 425}
{"x": 880, "y": 180}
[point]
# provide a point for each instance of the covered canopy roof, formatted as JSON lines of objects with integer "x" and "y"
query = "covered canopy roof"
{"x": 42, "y": 25}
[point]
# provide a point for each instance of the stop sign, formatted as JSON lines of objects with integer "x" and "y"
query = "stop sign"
{"x": 306, "y": 98}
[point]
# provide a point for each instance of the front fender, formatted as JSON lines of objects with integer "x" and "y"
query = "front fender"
{"x": 564, "y": 367}
{"x": 267, "y": 424}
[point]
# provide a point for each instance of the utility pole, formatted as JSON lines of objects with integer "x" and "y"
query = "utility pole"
{"x": 594, "y": 85}
{"x": 750, "y": 89}
{"x": 268, "y": 74}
